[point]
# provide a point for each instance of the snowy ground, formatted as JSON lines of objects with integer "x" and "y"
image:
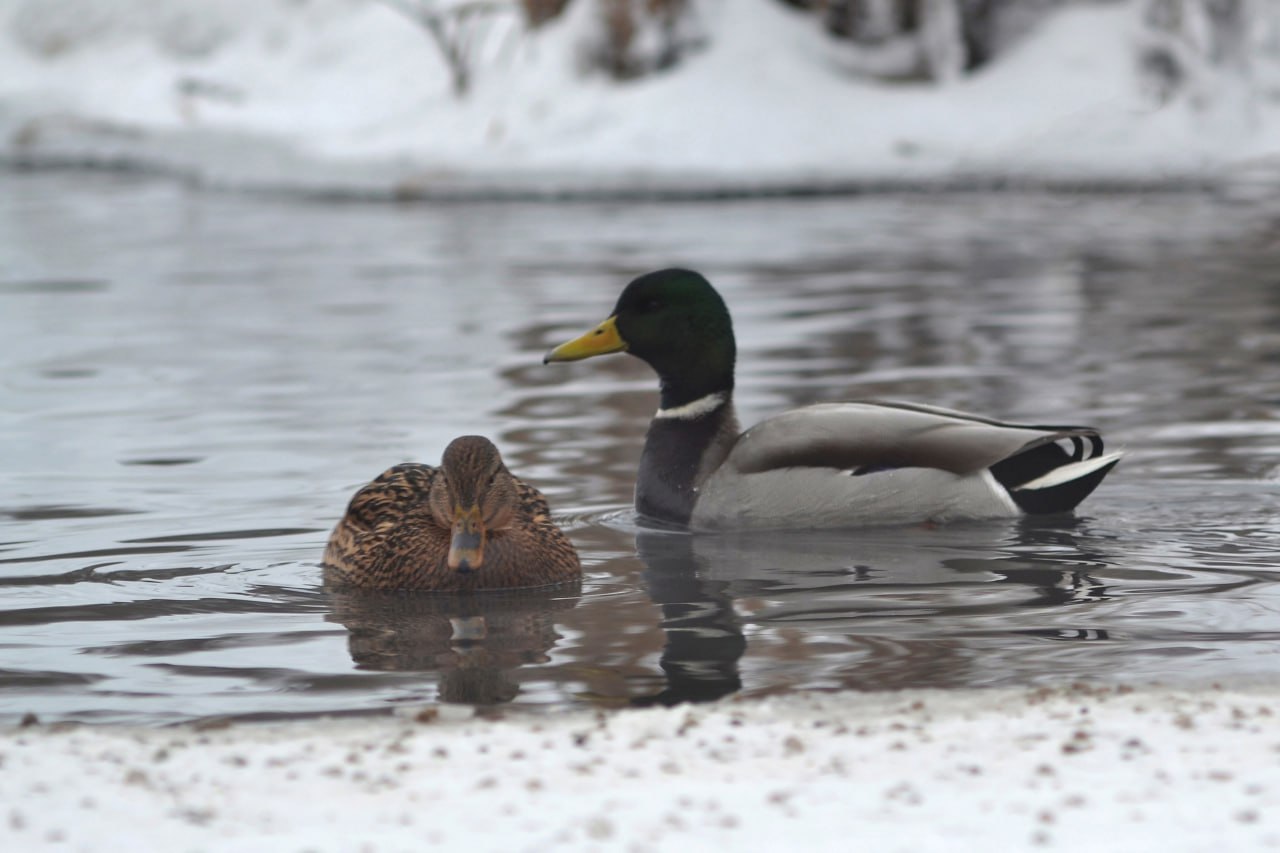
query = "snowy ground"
{"x": 1075, "y": 768}
{"x": 349, "y": 96}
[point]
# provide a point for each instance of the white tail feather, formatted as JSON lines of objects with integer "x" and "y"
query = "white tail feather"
{"x": 1071, "y": 471}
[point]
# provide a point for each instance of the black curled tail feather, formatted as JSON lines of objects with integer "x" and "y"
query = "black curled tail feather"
{"x": 1056, "y": 474}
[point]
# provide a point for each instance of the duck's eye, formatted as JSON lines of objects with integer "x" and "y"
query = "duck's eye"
{"x": 651, "y": 304}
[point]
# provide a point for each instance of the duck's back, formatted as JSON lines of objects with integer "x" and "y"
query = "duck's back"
{"x": 388, "y": 533}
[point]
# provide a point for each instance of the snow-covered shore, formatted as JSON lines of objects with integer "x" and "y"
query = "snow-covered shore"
{"x": 349, "y": 97}
{"x": 1068, "y": 768}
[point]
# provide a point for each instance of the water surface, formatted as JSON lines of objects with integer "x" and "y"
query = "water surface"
{"x": 194, "y": 383}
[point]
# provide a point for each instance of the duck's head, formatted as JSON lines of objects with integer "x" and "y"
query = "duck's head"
{"x": 476, "y": 495}
{"x": 674, "y": 320}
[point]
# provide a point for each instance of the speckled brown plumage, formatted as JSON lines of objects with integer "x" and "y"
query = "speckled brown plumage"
{"x": 399, "y": 530}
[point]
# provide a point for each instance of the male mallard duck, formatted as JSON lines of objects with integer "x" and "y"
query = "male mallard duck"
{"x": 467, "y": 525}
{"x": 827, "y": 465}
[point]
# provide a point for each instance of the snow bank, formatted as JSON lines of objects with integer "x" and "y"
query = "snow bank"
{"x": 1074, "y": 768}
{"x": 350, "y": 96}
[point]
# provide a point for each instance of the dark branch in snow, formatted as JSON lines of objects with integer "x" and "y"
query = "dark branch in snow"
{"x": 1188, "y": 47}
{"x": 638, "y": 37}
{"x": 939, "y": 40}
{"x": 455, "y": 29}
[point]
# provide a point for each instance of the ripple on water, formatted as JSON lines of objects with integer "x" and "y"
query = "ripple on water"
{"x": 173, "y": 462}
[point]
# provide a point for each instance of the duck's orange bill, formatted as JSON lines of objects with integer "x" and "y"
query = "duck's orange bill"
{"x": 601, "y": 340}
{"x": 466, "y": 548}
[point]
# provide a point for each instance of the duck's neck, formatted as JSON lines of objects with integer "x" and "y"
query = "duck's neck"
{"x": 688, "y": 438}
{"x": 689, "y": 388}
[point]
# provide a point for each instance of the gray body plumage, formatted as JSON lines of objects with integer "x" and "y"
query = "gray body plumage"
{"x": 829, "y": 498}
{"x": 852, "y": 464}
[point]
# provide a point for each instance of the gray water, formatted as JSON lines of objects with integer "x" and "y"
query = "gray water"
{"x": 193, "y": 384}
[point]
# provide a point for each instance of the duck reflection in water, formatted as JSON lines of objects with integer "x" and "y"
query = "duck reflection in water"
{"x": 476, "y": 642}
{"x": 889, "y": 611}
{"x": 703, "y": 638}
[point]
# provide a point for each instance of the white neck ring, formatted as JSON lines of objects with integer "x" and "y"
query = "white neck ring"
{"x": 698, "y": 408}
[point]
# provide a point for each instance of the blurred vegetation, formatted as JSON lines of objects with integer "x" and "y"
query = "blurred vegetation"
{"x": 1181, "y": 46}
{"x": 1187, "y": 47}
{"x": 889, "y": 39}
{"x": 638, "y": 37}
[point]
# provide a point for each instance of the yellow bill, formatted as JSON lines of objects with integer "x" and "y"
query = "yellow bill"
{"x": 601, "y": 340}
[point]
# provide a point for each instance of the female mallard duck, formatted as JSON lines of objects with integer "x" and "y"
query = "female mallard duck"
{"x": 827, "y": 465}
{"x": 467, "y": 525}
